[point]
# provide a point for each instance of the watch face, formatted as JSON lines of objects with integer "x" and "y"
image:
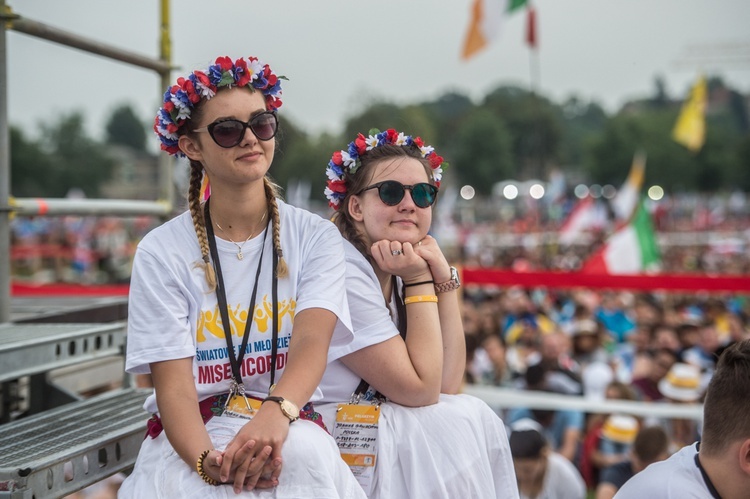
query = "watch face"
{"x": 289, "y": 409}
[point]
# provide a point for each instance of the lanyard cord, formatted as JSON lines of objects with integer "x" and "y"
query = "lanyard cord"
{"x": 221, "y": 297}
{"x": 706, "y": 479}
{"x": 401, "y": 322}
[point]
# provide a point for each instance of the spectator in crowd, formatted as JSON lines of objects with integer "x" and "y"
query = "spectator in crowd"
{"x": 650, "y": 446}
{"x": 618, "y": 434}
{"x": 664, "y": 335}
{"x": 719, "y": 465}
{"x": 592, "y": 457}
{"x": 587, "y": 343}
{"x": 612, "y": 312}
{"x": 562, "y": 428}
{"x": 541, "y": 472}
{"x": 564, "y": 374}
{"x": 681, "y": 385}
{"x": 631, "y": 357}
{"x": 647, "y": 387}
{"x": 688, "y": 334}
{"x": 703, "y": 354}
{"x": 498, "y": 373}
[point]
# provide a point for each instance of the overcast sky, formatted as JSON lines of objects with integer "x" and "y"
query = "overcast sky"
{"x": 339, "y": 54}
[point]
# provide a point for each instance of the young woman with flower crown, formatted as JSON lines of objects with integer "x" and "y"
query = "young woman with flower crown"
{"x": 234, "y": 333}
{"x": 408, "y": 353}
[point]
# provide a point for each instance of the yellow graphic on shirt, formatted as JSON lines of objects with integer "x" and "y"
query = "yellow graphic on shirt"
{"x": 210, "y": 321}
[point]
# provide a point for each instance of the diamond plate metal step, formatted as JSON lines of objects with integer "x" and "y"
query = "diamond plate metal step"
{"x": 63, "y": 450}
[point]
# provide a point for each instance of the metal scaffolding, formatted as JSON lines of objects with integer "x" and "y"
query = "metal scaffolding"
{"x": 162, "y": 207}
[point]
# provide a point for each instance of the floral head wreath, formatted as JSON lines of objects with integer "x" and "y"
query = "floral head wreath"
{"x": 180, "y": 99}
{"x": 348, "y": 161}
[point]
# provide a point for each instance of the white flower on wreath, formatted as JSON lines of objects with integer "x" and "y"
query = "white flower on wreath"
{"x": 425, "y": 150}
{"x": 254, "y": 68}
{"x": 346, "y": 159}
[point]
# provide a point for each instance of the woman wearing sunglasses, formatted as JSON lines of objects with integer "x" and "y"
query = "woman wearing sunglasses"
{"x": 232, "y": 308}
{"x": 408, "y": 353}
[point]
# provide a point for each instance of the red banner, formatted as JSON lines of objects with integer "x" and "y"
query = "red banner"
{"x": 643, "y": 282}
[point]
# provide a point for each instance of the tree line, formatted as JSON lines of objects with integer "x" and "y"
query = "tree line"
{"x": 511, "y": 133}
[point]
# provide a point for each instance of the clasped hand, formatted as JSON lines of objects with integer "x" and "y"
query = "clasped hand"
{"x": 412, "y": 262}
{"x": 252, "y": 459}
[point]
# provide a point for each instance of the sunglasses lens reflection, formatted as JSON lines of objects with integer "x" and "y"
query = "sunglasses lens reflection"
{"x": 229, "y": 133}
{"x": 264, "y": 126}
{"x": 392, "y": 192}
{"x": 423, "y": 194}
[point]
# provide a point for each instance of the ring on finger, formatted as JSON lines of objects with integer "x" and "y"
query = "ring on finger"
{"x": 396, "y": 252}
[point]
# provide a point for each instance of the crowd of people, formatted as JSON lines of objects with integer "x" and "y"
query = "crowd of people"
{"x": 602, "y": 345}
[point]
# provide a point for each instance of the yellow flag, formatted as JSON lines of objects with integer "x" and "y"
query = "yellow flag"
{"x": 690, "y": 129}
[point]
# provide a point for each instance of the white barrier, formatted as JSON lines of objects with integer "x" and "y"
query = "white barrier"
{"x": 497, "y": 397}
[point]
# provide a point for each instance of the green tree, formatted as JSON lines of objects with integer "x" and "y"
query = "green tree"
{"x": 743, "y": 158}
{"x": 583, "y": 123}
{"x": 76, "y": 159}
{"x": 384, "y": 115}
{"x": 124, "y": 128}
{"x": 483, "y": 155}
{"x": 535, "y": 128}
{"x": 668, "y": 163}
{"x": 32, "y": 174}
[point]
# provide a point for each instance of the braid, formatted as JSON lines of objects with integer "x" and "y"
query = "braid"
{"x": 194, "y": 191}
{"x": 273, "y": 211}
{"x": 343, "y": 221}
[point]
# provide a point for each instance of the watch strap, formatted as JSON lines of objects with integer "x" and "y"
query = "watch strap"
{"x": 453, "y": 284}
{"x": 282, "y": 401}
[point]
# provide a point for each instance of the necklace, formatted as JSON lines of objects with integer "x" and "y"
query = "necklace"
{"x": 240, "y": 256}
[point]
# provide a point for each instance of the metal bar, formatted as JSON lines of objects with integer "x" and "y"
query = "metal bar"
{"x": 40, "y": 30}
{"x": 166, "y": 162}
{"x": 497, "y": 397}
{"x": 4, "y": 171}
{"x": 58, "y": 206}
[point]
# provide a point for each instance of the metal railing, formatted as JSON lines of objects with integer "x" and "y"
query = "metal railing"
{"x": 162, "y": 207}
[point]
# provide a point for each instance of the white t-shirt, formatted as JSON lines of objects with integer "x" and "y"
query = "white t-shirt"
{"x": 173, "y": 315}
{"x": 371, "y": 320}
{"x": 677, "y": 477}
{"x": 561, "y": 480}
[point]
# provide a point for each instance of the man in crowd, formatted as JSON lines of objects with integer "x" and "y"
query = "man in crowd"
{"x": 719, "y": 465}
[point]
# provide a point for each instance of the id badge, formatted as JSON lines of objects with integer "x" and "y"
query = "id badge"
{"x": 356, "y": 434}
{"x": 239, "y": 405}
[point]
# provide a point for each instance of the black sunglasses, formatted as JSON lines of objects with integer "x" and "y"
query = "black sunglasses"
{"x": 229, "y": 133}
{"x": 392, "y": 192}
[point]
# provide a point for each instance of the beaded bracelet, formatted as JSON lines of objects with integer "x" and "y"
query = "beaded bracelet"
{"x": 201, "y": 472}
{"x": 420, "y": 299}
{"x": 418, "y": 283}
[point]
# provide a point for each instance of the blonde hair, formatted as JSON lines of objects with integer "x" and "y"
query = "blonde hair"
{"x": 199, "y": 223}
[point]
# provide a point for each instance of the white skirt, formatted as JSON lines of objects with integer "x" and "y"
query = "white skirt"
{"x": 312, "y": 468}
{"x": 457, "y": 448}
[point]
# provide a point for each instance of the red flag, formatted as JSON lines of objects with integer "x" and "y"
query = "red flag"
{"x": 531, "y": 37}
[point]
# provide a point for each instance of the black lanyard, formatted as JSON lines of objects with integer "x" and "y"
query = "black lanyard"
{"x": 706, "y": 479}
{"x": 401, "y": 322}
{"x": 221, "y": 298}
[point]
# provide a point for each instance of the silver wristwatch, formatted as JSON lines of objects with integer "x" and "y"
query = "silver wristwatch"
{"x": 451, "y": 285}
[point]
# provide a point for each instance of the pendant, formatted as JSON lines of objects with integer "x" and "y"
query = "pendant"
{"x": 240, "y": 256}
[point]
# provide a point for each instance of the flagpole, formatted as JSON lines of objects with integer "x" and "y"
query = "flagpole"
{"x": 535, "y": 81}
